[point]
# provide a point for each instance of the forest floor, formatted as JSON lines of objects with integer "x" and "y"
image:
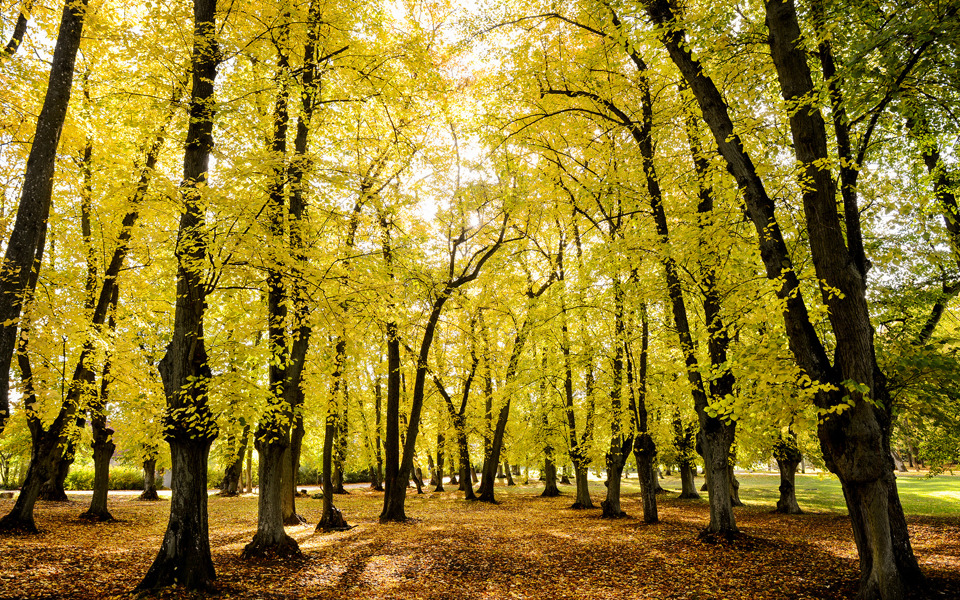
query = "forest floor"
{"x": 524, "y": 547}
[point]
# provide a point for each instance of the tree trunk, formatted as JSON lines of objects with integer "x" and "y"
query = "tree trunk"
{"x": 644, "y": 449}
{"x": 550, "y": 488}
{"x": 490, "y": 465}
{"x": 52, "y": 489}
{"x": 270, "y": 540}
{"x": 467, "y": 476}
{"x": 288, "y": 490}
{"x": 184, "y": 557}
{"x": 788, "y": 457}
{"x": 898, "y": 461}
{"x": 395, "y": 486}
{"x": 855, "y": 443}
{"x": 249, "y": 469}
{"x": 24, "y": 249}
{"x": 103, "y": 448}
{"x": 378, "y": 441}
{"x": 583, "y": 487}
{"x": 509, "y": 475}
{"x": 440, "y": 461}
{"x": 616, "y": 459}
{"x": 332, "y": 518}
{"x": 17, "y": 37}
{"x": 45, "y": 457}
{"x": 734, "y": 487}
{"x": 620, "y": 445}
{"x": 417, "y": 476}
{"x": 688, "y": 481}
{"x": 149, "y": 480}
{"x": 787, "y": 504}
{"x": 230, "y": 485}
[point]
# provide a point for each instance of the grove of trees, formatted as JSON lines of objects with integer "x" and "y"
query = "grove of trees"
{"x": 423, "y": 238}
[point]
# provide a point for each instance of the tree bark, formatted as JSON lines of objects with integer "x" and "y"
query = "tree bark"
{"x": 440, "y": 460}
{"x": 25, "y": 246}
{"x": 550, "y": 489}
{"x": 17, "y": 37}
{"x": 332, "y": 518}
{"x": 620, "y": 445}
{"x": 103, "y": 446}
{"x": 788, "y": 457}
{"x": 230, "y": 485}
{"x": 393, "y": 508}
{"x": 184, "y": 556}
{"x": 520, "y": 340}
{"x": 855, "y": 442}
{"x": 270, "y": 539}
{"x": 644, "y": 449}
{"x": 149, "y": 480}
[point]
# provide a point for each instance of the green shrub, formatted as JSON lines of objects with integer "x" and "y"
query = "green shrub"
{"x": 79, "y": 478}
{"x": 121, "y": 478}
{"x": 357, "y": 476}
{"x": 126, "y": 478}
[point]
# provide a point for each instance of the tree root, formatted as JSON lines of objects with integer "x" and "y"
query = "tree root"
{"x": 285, "y": 547}
{"x": 333, "y": 521}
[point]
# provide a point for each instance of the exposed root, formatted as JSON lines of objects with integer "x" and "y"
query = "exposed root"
{"x": 285, "y": 547}
{"x": 97, "y": 516}
{"x": 333, "y": 521}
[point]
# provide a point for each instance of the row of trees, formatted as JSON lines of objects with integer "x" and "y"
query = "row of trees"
{"x": 583, "y": 231}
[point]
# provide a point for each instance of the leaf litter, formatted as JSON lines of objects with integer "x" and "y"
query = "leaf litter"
{"x": 526, "y": 547}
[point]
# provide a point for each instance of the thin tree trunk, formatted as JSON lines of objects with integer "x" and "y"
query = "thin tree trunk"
{"x": 230, "y": 485}
{"x": 332, "y": 518}
{"x": 17, "y": 38}
{"x": 620, "y": 445}
{"x": 25, "y": 246}
{"x": 644, "y": 449}
{"x": 509, "y": 475}
{"x": 550, "y": 489}
{"x": 103, "y": 446}
{"x": 440, "y": 460}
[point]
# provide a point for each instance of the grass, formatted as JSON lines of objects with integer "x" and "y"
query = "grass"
{"x": 820, "y": 492}
{"x": 919, "y": 494}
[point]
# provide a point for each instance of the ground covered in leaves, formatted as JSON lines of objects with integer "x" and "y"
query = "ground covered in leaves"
{"x": 524, "y": 547}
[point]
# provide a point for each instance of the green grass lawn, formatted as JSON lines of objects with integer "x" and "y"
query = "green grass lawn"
{"x": 919, "y": 494}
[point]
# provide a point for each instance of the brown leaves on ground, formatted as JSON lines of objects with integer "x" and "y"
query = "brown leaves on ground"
{"x": 525, "y": 547}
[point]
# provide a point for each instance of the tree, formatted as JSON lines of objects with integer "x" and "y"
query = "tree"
{"x": 184, "y": 556}
{"x": 854, "y": 398}
{"x": 25, "y": 247}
